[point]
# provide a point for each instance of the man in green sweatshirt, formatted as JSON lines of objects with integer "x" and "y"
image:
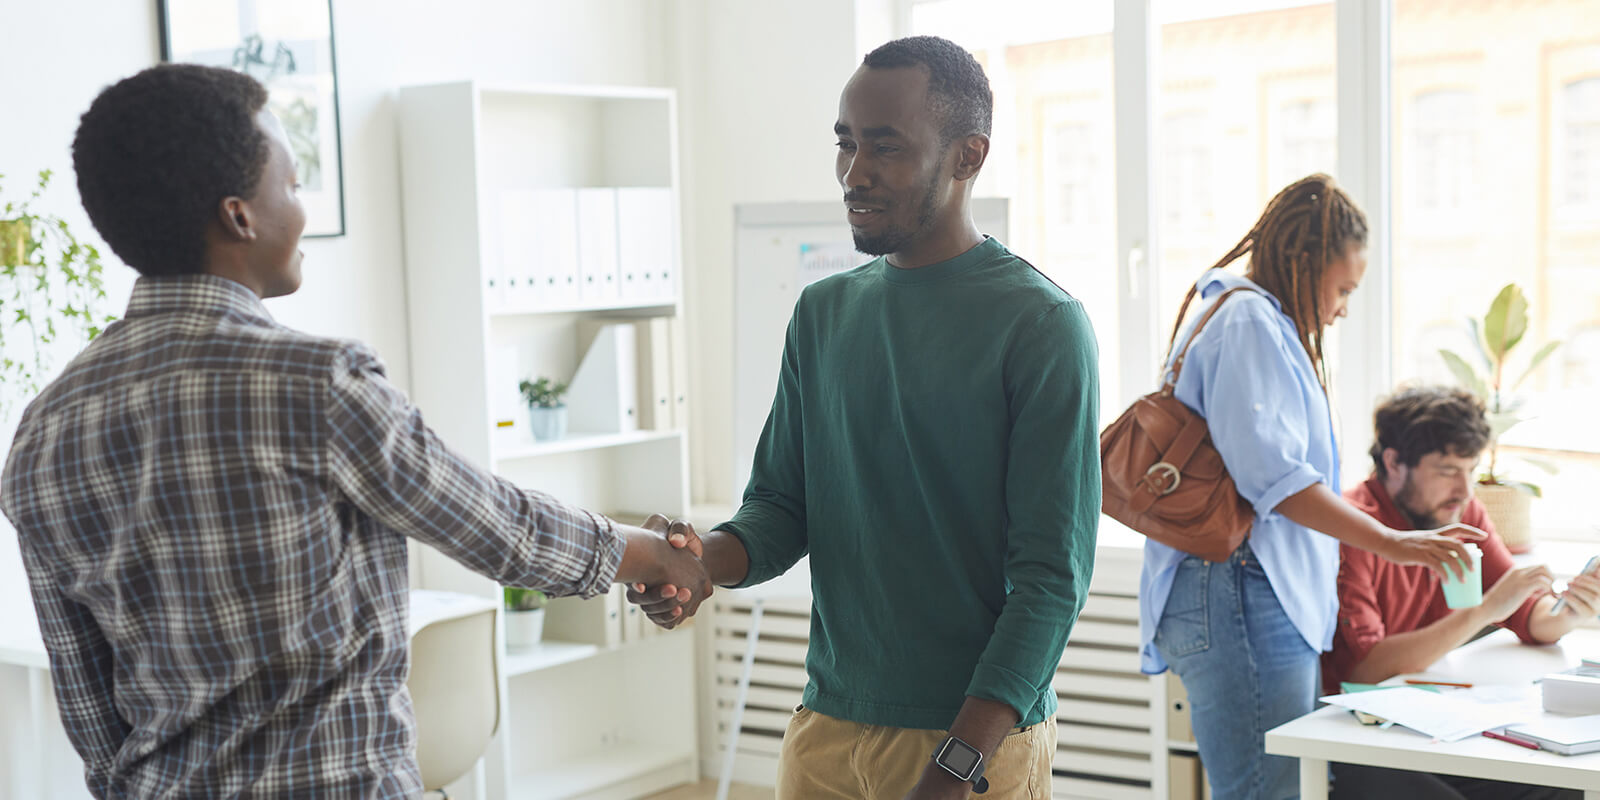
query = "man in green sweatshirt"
{"x": 933, "y": 446}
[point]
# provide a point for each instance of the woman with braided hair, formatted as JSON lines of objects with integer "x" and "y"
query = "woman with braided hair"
{"x": 1245, "y": 635}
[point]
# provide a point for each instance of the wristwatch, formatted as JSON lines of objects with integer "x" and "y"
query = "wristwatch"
{"x": 963, "y": 761}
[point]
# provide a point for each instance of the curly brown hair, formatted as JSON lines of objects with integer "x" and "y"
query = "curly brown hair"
{"x": 1306, "y": 227}
{"x": 156, "y": 153}
{"x": 1419, "y": 420}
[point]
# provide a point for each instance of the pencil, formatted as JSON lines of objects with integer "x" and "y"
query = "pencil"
{"x": 1417, "y": 682}
{"x": 1504, "y": 738}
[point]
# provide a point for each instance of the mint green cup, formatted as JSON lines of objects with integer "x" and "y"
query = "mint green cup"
{"x": 1466, "y": 593}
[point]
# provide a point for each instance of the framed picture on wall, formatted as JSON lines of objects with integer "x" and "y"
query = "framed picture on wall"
{"x": 287, "y": 45}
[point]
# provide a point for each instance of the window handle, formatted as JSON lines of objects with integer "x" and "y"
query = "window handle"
{"x": 1135, "y": 269}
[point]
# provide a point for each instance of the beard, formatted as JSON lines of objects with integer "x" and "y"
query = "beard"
{"x": 893, "y": 240}
{"x": 1426, "y": 518}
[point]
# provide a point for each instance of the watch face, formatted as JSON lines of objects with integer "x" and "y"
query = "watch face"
{"x": 959, "y": 757}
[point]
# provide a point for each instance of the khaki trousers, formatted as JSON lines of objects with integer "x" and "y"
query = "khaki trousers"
{"x": 830, "y": 759}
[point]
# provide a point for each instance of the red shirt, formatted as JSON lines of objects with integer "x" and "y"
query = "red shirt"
{"x": 1378, "y": 598}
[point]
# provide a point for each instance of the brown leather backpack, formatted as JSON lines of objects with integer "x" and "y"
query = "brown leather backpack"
{"x": 1162, "y": 477}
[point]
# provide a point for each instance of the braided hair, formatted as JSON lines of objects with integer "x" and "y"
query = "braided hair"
{"x": 1306, "y": 227}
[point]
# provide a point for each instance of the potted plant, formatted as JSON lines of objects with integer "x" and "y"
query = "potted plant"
{"x": 524, "y": 617}
{"x": 50, "y": 287}
{"x": 1495, "y": 336}
{"x": 546, "y": 413}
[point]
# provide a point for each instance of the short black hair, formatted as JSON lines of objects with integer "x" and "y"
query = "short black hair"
{"x": 1420, "y": 420}
{"x": 956, "y": 83}
{"x": 156, "y": 153}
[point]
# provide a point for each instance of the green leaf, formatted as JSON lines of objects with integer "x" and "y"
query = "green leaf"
{"x": 1538, "y": 358}
{"x": 1506, "y": 322}
{"x": 1478, "y": 345}
{"x": 1500, "y": 422}
{"x": 1465, "y": 374}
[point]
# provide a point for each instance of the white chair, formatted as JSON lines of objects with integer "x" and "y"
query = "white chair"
{"x": 454, "y": 685}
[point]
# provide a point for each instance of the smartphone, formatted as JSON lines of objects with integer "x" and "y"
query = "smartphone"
{"x": 1590, "y": 568}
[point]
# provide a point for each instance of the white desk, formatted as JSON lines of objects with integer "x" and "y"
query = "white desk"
{"x": 1332, "y": 734}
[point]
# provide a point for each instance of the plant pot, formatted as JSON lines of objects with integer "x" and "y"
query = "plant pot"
{"x": 524, "y": 629}
{"x": 548, "y": 424}
{"x": 1508, "y": 509}
{"x": 14, "y": 239}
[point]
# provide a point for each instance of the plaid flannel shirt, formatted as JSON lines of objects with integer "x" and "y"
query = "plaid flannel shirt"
{"x": 213, "y": 511}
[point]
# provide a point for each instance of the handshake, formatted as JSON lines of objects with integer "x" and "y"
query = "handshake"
{"x": 663, "y": 569}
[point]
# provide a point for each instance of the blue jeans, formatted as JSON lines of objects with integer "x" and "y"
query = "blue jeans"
{"x": 1246, "y": 669}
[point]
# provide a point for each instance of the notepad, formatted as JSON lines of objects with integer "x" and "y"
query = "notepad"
{"x": 1570, "y": 736}
{"x": 1448, "y": 716}
{"x": 1346, "y": 687}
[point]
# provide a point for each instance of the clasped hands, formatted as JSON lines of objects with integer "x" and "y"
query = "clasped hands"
{"x": 681, "y": 583}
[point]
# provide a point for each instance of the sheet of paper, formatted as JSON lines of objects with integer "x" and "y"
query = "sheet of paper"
{"x": 1448, "y": 716}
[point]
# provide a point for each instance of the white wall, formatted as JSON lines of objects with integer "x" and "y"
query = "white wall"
{"x": 759, "y": 89}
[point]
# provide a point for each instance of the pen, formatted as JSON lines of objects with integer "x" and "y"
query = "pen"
{"x": 1504, "y": 738}
{"x": 1417, "y": 682}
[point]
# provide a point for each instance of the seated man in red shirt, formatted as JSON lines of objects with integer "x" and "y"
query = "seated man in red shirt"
{"x": 1393, "y": 619}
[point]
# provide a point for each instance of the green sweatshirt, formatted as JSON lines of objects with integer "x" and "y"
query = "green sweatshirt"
{"x": 933, "y": 445}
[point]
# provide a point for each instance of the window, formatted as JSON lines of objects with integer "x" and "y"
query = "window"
{"x": 1304, "y": 140}
{"x": 1496, "y": 155}
{"x": 1244, "y": 98}
{"x": 1186, "y": 180}
{"x": 1072, "y": 178}
{"x": 1444, "y": 151}
{"x": 1579, "y": 147}
{"x": 1054, "y": 149}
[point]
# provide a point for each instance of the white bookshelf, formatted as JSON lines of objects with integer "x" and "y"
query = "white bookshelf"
{"x": 578, "y": 720}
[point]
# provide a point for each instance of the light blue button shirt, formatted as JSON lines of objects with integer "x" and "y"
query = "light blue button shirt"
{"x": 1251, "y": 380}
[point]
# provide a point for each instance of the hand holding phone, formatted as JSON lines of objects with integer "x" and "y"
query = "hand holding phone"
{"x": 1591, "y": 568}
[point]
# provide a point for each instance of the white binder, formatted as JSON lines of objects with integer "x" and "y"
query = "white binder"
{"x": 633, "y": 622}
{"x": 519, "y": 253}
{"x": 597, "y": 245}
{"x": 645, "y": 242}
{"x": 493, "y": 258}
{"x": 678, "y": 353}
{"x": 655, "y": 374}
{"x": 556, "y": 241}
{"x": 598, "y": 620}
{"x": 604, "y": 396}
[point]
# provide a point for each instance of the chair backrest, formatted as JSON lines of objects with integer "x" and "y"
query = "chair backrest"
{"x": 455, "y": 694}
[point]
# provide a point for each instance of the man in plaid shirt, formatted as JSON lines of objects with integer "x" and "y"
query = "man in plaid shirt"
{"x": 213, "y": 508}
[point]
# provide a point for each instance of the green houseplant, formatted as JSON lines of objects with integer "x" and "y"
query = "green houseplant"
{"x": 51, "y": 289}
{"x": 1494, "y": 337}
{"x": 546, "y": 413}
{"x": 524, "y": 617}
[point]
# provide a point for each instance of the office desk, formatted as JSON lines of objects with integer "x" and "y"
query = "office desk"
{"x": 1332, "y": 734}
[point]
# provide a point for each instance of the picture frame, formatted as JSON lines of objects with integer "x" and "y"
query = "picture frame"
{"x": 288, "y": 45}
